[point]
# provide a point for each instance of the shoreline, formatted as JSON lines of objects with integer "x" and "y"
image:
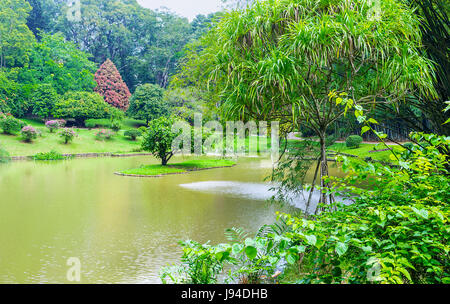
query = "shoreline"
{"x": 86, "y": 155}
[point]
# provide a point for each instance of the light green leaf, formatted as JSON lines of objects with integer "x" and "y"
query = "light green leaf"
{"x": 251, "y": 252}
{"x": 341, "y": 248}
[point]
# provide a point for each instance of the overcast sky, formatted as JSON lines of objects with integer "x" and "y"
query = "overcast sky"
{"x": 185, "y": 8}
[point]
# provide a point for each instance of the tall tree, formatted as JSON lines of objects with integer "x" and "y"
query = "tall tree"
{"x": 279, "y": 60}
{"x": 147, "y": 103}
{"x": 16, "y": 38}
{"x": 145, "y": 45}
{"x": 111, "y": 86}
{"x": 60, "y": 63}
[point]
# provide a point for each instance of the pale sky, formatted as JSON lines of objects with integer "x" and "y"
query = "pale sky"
{"x": 185, "y": 8}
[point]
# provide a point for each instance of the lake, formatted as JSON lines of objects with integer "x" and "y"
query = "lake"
{"x": 122, "y": 229}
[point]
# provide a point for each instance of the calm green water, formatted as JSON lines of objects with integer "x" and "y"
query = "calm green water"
{"x": 122, "y": 229}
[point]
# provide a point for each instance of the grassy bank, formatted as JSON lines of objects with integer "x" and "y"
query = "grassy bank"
{"x": 192, "y": 165}
{"x": 85, "y": 142}
{"x": 364, "y": 151}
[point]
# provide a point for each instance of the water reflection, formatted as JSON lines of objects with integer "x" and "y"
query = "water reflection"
{"x": 122, "y": 229}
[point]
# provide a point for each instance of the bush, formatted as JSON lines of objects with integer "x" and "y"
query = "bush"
{"x": 84, "y": 105}
{"x": 104, "y": 134}
{"x": 353, "y": 141}
{"x": 143, "y": 129}
{"x": 132, "y": 134}
{"x": 29, "y": 133}
{"x": 11, "y": 125}
{"x": 116, "y": 125}
{"x": 52, "y": 155}
{"x": 53, "y": 125}
{"x": 97, "y": 123}
{"x": 67, "y": 135}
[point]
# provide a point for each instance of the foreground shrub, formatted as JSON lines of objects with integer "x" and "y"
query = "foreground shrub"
{"x": 67, "y": 135}
{"x": 353, "y": 141}
{"x": 11, "y": 125}
{"x": 29, "y": 133}
{"x": 52, "y": 155}
{"x": 53, "y": 125}
{"x": 396, "y": 230}
{"x": 132, "y": 134}
{"x": 104, "y": 134}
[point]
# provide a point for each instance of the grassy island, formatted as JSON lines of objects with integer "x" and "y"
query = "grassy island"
{"x": 179, "y": 168}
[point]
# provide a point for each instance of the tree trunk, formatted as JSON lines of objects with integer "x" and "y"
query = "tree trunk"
{"x": 323, "y": 168}
{"x": 313, "y": 185}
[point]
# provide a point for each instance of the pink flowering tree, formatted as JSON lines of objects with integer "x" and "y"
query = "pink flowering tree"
{"x": 111, "y": 86}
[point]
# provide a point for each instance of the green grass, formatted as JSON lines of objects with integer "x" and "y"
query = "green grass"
{"x": 85, "y": 142}
{"x": 192, "y": 165}
{"x": 363, "y": 151}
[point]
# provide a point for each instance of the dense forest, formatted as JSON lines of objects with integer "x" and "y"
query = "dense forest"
{"x": 41, "y": 45}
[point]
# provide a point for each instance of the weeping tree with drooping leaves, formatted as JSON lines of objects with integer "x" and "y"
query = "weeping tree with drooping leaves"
{"x": 309, "y": 62}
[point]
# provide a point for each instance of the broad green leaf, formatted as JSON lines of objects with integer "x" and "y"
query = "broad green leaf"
{"x": 341, "y": 248}
{"x": 365, "y": 129}
{"x": 311, "y": 239}
{"x": 251, "y": 252}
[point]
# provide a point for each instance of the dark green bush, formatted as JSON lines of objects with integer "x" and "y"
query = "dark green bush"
{"x": 132, "y": 134}
{"x": 84, "y": 105}
{"x": 353, "y": 141}
{"x": 11, "y": 125}
{"x": 116, "y": 125}
{"x": 97, "y": 123}
{"x": 52, "y": 155}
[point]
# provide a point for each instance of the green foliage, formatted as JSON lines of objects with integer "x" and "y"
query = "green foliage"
{"x": 132, "y": 134}
{"x": 116, "y": 125}
{"x": 353, "y": 141}
{"x": 14, "y": 97}
{"x": 83, "y": 105}
{"x": 43, "y": 100}
{"x": 11, "y": 125}
{"x": 147, "y": 103}
{"x": 97, "y": 123}
{"x": 201, "y": 263}
{"x": 186, "y": 102}
{"x": 29, "y": 133}
{"x": 159, "y": 137}
{"x": 145, "y": 45}
{"x": 16, "y": 38}
{"x": 59, "y": 63}
{"x": 52, "y": 155}
{"x": 67, "y": 135}
{"x": 395, "y": 231}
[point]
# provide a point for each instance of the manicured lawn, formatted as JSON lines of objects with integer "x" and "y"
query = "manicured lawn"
{"x": 363, "y": 151}
{"x": 191, "y": 165}
{"x": 85, "y": 142}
